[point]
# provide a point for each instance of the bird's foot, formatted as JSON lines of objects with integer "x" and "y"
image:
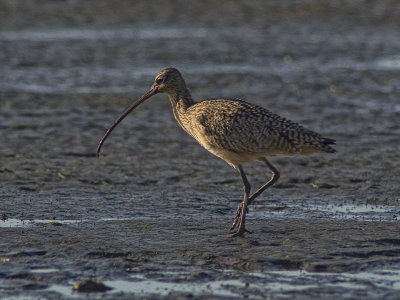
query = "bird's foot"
{"x": 239, "y": 221}
{"x": 238, "y": 216}
{"x": 240, "y": 232}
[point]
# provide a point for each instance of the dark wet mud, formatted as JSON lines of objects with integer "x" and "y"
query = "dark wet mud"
{"x": 149, "y": 218}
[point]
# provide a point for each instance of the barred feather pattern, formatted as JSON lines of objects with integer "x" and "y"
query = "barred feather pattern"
{"x": 238, "y": 126}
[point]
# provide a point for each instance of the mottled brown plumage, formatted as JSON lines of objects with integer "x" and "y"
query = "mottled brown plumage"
{"x": 235, "y": 131}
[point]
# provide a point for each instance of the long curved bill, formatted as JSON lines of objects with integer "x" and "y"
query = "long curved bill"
{"x": 151, "y": 92}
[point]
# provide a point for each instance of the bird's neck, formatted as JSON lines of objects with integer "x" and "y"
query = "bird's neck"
{"x": 181, "y": 99}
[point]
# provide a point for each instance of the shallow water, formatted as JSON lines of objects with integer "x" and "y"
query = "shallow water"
{"x": 149, "y": 218}
{"x": 255, "y": 285}
{"x": 333, "y": 211}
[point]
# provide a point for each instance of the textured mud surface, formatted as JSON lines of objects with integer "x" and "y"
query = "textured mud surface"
{"x": 150, "y": 217}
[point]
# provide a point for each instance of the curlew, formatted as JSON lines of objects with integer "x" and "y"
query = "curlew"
{"x": 235, "y": 131}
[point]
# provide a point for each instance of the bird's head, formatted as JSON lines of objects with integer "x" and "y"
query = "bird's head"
{"x": 167, "y": 81}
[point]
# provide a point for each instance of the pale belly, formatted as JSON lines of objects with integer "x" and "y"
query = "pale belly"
{"x": 234, "y": 158}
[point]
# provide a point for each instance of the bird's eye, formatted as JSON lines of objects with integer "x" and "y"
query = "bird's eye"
{"x": 159, "y": 80}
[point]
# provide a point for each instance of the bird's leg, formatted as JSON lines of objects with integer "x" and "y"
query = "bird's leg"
{"x": 239, "y": 220}
{"x": 240, "y": 217}
{"x": 274, "y": 178}
{"x": 238, "y": 214}
{"x": 246, "y": 190}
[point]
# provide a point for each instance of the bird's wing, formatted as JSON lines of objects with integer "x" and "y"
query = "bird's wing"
{"x": 241, "y": 127}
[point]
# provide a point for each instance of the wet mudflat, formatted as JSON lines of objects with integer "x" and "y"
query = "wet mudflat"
{"x": 150, "y": 217}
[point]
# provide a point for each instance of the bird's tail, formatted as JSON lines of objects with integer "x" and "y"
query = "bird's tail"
{"x": 317, "y": 145}
{"x": 325, "y": 145}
